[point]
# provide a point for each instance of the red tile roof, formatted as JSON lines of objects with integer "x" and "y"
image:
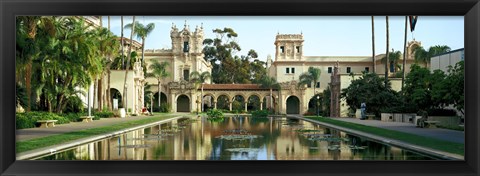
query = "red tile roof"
{"x": 233, "y": 87}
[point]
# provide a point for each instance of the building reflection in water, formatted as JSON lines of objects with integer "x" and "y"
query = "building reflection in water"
{"x": 260, "y": 139}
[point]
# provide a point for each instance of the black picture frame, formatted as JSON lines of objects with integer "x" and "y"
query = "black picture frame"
{"x": 470, "y": 9}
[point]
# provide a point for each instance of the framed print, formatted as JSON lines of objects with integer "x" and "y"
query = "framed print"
{"x": 239, "y": 87}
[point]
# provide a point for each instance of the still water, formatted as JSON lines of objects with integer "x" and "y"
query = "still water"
{"x": 235, "y": 138}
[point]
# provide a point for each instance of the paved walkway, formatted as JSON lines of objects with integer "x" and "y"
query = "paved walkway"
{"x": 32, "y": 133}
{"x": 438, "y": 133}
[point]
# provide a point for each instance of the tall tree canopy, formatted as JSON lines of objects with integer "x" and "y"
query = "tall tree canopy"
{"x": 227, "y": 66}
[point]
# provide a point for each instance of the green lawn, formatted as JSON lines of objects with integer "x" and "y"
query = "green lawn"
{"x": 27, "y": 145}
{"x": 451, "y": 147}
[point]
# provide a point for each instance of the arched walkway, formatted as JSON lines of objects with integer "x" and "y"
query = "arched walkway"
{"x": 223, "y": 102}
{"x": 315, "y": 105}
{"x": 116, "y": 96}
{"x": 293, "y": 105}
{"x": 253, "y": 103}
{"x": 163, "y": 102}
{"x": 238, "y": 103}
{"x": 183, "y": 103}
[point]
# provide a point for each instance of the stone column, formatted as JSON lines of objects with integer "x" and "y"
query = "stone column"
{"x": 261, "y": 105}
{"x": 214, "y": 105}
{"x": 230, "y": 103}
{"x": 246, "y": 106}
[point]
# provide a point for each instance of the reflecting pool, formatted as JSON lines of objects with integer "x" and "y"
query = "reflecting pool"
{"x": 236, "y": 138}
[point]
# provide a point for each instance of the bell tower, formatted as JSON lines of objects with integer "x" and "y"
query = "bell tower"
{"x": 289, "y": 47}
{"x": 187, "y": 49}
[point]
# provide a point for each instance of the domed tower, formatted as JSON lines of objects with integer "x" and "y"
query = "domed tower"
{"x": 289, "y": 47}
{"x": 411, "y": 46}
{"x": 187, "y": 51}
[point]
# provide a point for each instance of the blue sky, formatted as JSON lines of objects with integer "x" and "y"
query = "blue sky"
{"x": 323, "y": 35}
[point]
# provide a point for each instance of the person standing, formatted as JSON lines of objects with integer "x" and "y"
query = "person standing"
{"x": 363, "y": 107}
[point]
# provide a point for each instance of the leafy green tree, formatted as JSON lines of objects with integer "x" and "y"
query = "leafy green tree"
{"x": 451, "y": 90}
{"x": 418, "y": 88}
{"x": 128, "y": 62}
{"x": 228, "y": 67}
{"x": 371, "y": 89}
{"x": 159, "y": 71}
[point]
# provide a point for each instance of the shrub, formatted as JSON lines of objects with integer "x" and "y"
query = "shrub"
{"x": 73, "y": 117}
{"x": 103, "y": 114}
{"x": 442, "y": 112}
{"x": 29, "y": 119}
{"x": 262, "y": 113}
{"x": 165, "y": 107}
{"x": 74, "y": 105}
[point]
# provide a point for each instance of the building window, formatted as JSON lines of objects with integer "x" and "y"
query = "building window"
{"x": 293, "y": 70}
{"x": 318, "y": 85}
{"x": 186, "y": 75}
{"x": 309, "y": 85}
{"x": 282, "y": 49}
{"x": 349, "y": 69}
{"x": 288, "y": 70}
{"x": 185, "y": 47}
{"x": 329, "y": 69}
{"x": 298, "y": 49}
{"x": 392, "y": 68}
{"x": 367, "y": 69}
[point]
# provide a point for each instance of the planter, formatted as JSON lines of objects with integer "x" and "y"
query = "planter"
{"x": 358, "y": 114}
{"x": 386, "y": 117}
{"x": 122, "y": 112}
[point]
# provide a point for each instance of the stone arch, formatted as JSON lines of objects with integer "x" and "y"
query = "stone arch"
{"x": 293, "y": 104}
{"x": 223, "y": 102}
{"x": 239, "y": 94}
{"x": 183, "y": 103}
{"x": 224, "y": 94}
{"x": 314, "y": 106}
{"x": 208, "y": 101}
{"x": 238, "y": 102}
{"x": 266, "y": 102}
{"x": 163, "y": 101}
{"x": 253, "y": 102}
{"x": 116, "y": 94}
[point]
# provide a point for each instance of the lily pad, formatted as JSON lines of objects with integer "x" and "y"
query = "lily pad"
{"x": 238, "y": 137}
{"x": 243, "y": 150}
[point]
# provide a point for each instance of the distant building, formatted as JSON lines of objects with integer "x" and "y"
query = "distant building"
{"x": 442, "y": 61}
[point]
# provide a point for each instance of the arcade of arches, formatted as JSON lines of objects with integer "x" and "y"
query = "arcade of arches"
{"x": 185, "y": 97}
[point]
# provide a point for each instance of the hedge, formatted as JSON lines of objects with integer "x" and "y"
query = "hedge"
{"x": 29, "y": 119}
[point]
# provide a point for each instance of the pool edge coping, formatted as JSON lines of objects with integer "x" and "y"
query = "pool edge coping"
{"x": 27, "y": 155}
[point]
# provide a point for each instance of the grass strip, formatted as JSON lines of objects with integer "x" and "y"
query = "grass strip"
{"x": 446, "y": 146}
{"x": 27, "y": 145}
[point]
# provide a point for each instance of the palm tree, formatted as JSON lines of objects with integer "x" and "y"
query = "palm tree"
{"x": 423, "y": 56}
{"x": 142, "y": 31}
{"x": 200, "y": 78}
{"x": 394, "y": 59}
{"x": 108, "y": 46}
{"x": 128, "y": 62}
{"x": 373, "y": 45}
{"x": 312, "y": 75}
{"x": 270, "y": 83}
{"x": 159, "y": 71}
{"x": 387, "y": 55}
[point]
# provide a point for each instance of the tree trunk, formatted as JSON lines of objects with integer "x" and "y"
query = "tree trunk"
{"x": 143, "y": 50}
{"x": 271, "y": 100}
{"x": 100, "y": 94}
{"x": 95, "y": 88}
{"x": 109, "y": 96}
{"x": 159, "y": 95}
{"x": 28, "y": 85}
{"x": 404, "y": 54}
{"x": 128, "y": 60}
{"x": 388, "y": 46}
{"x": 59, "y": 103}
{"x": 121, "y": 38}
{"x": 373, "y": 45}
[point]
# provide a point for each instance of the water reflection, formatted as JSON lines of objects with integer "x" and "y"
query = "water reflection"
{"x": 236, "y": 138}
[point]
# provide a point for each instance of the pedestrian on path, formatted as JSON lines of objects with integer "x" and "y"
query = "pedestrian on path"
{"x": 363, "y": 106}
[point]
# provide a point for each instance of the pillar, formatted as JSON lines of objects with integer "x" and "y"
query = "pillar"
{"x": 230, "y": 104}
{"x": 215, "y": 105}
{"x": 246, "y": 106}
{"x": 261, "y": 105}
